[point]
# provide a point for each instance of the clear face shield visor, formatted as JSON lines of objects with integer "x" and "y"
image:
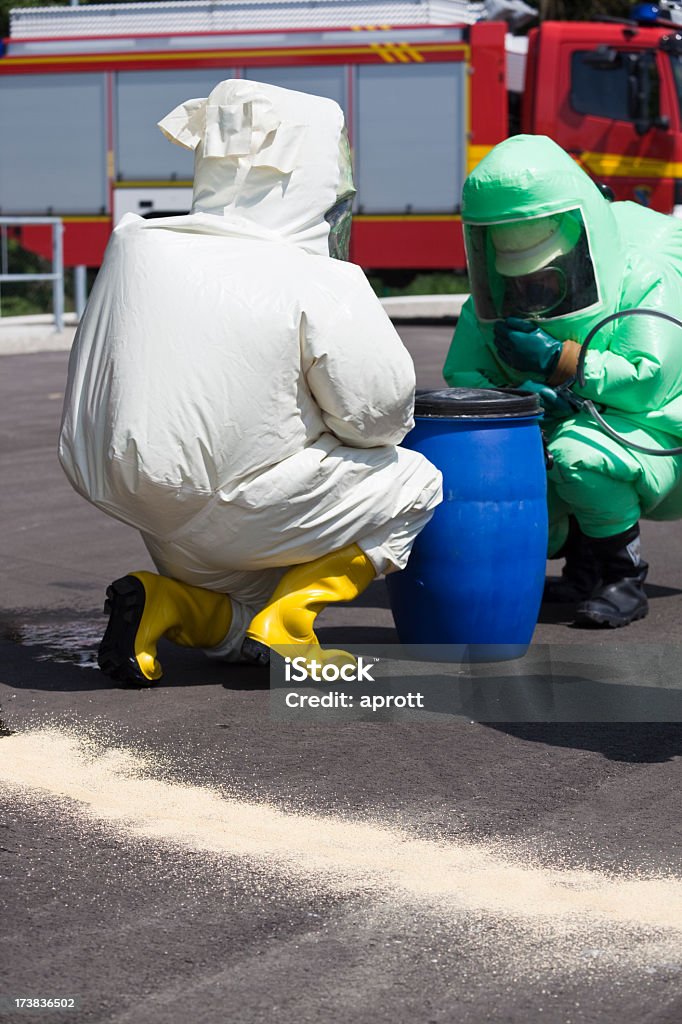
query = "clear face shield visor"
{"x": 535, "y": 268}
{"x": 340, "y": 215}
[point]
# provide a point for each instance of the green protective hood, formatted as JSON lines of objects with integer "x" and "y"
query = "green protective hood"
{"x": 530, "y": 176}
{"x": 633, "y": 369}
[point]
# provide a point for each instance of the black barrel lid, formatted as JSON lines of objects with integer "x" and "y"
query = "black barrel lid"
{"x": 476, "y": 402}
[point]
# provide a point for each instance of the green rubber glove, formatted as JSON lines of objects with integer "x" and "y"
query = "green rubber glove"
{"x": 525, "y": 346}
{"x": 553, "y": 404}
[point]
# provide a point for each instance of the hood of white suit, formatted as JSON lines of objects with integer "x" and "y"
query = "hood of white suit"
{"x": 271, "y": 161}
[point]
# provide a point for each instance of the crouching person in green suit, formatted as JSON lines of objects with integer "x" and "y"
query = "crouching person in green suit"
{"x": 549, "y": 257}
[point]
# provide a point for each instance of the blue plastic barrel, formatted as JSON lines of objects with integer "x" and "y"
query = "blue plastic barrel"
{"x": 476, "y": 572}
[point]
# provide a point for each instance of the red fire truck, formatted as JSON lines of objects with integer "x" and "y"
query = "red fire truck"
{"x": 81, "y": 90}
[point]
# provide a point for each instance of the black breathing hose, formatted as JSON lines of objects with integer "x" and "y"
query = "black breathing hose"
{"x": 580, "y": 376}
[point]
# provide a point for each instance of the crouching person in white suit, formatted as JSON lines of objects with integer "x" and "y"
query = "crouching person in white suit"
{"x": 238, "y": 396}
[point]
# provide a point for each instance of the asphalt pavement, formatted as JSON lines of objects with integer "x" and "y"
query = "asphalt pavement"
{"x": 155, "y": 926}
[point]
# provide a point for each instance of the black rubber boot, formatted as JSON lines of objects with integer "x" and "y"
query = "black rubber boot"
{"x": 580, "y": 576}
{"x": 620, "y": 599}
{"x": 116, "y": 656}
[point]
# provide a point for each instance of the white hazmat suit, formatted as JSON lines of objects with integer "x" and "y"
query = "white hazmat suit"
{"x": 233, "y": 392}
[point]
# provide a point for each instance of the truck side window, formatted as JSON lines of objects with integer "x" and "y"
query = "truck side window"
{"x": 605, "y": 87}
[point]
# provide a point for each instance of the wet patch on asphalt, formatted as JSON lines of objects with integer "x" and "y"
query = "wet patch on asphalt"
{"x": 57, "y": 638}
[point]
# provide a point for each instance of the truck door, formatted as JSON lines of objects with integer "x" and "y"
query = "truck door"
{"x": 613, "y": 109}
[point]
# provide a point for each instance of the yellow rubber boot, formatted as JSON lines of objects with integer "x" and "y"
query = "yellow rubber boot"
{"x": 302, "y": 593}
{"x": 144, "y": 607}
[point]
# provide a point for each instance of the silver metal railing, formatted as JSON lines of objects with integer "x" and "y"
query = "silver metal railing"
{"x": 57, "y": 274}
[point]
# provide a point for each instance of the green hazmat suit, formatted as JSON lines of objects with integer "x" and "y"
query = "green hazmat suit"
{"x": 628, "y": 257}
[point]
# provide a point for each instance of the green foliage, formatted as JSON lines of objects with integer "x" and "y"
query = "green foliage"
{"x": 409, "y": 282}
{"x": 22, "y": 298}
